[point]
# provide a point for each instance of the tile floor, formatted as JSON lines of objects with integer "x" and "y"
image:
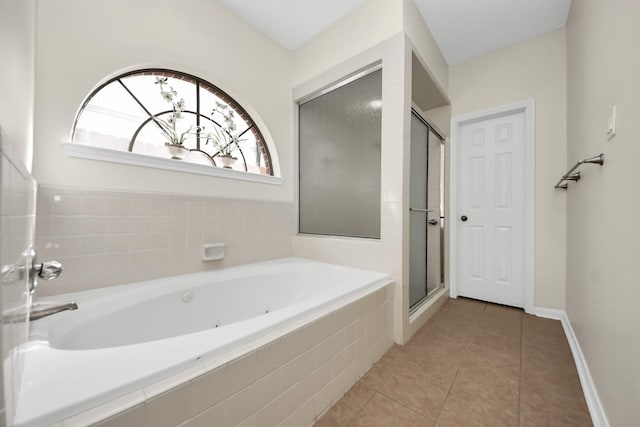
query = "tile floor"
{"x": 472, "y": 364}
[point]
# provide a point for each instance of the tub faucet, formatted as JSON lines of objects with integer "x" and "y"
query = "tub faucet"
{"x": 26, "y": 270}
{"x": 44, "y": 309}
{"x": 38, "y": 311}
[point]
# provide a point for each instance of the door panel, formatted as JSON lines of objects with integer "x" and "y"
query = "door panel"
{"x": 491, "y": 195}
{"x": 477, "y": 181}
{"x": 477, "y": 252}
{"x": 418, "y": 219}
{"x": 425, "y": 225}
{"x": 434, "y": 236}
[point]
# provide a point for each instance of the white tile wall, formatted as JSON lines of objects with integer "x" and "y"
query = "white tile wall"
{"x": 17, "y": 220}
{"x": 288, "y": 381}
{"x": 105, "y": 237}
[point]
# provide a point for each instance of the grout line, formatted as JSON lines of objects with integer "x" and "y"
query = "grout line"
{"x": 447, "y": 395}
{"x": 401, "y": 404}
{"x": 466, "y": 348}
{"x": 353, "y": 417}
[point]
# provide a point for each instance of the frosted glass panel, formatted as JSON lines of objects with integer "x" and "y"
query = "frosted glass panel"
{"x": 426, "y": 225}
{"x": 418, "y": 218}
{"x": 340, "y": 160}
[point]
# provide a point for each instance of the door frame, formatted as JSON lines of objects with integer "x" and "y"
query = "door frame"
{"x": 457, "y": 122}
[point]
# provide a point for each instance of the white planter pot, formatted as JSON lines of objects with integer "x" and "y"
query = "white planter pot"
{"x": 177, "y": 151}
{"x": 227, "y": 161}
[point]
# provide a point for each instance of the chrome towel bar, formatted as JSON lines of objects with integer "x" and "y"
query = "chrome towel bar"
{"x": 575, "y": 176}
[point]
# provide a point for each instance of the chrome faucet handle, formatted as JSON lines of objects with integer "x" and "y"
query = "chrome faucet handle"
{"x": 48, "y": 270}
{"x": 27, "y": 268}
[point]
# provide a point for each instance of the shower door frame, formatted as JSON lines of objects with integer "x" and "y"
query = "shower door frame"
{"x": 442, "y": 214}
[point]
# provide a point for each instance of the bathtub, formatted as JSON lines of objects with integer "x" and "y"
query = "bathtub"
{"x": 125, "y": 340}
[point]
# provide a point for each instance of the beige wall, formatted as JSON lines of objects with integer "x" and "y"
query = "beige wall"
{"x": 82, "y": 43}
{"x": 603, "y": 230}
{"x": 425, "y": 45}
{"x": 365, "y": 26}
{"x": 532, "y": 69}
{"x": 17, "y": 56}
{"x": 441, "y": 118}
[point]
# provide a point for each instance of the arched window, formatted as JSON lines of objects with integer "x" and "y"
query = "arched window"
{"x": 170, "y": 114}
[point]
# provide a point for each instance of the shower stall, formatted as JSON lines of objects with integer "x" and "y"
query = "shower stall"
{"x": 363, "y": 159}
{"x": 426, "y": 223}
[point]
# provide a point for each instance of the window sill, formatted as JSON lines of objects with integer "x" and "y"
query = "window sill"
{"x": 83, "y": 151}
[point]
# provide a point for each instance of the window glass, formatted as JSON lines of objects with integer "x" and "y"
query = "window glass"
{"x": 145, "y": 111}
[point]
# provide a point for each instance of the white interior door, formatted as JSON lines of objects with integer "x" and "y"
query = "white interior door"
{"x": 491, "y": 210}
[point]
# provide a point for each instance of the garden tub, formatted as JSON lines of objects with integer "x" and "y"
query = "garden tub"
{"x": 128, "y": 337}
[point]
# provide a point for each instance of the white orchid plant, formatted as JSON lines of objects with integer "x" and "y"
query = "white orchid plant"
{"x": 168, "y": 127}
{"x": 222, "y": 137}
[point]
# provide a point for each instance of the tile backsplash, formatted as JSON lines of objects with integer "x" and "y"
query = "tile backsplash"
{"x": 108, "y": 237}
{"x": 17, "y": 219}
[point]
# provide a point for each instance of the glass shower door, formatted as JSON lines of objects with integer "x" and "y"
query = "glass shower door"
{"x": 418, "y": 211}
{"x": 425, "y": 224}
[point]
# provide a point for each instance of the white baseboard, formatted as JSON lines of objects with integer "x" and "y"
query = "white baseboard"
{"x": 598, "y": 416}
{"x": 550, "y": 313}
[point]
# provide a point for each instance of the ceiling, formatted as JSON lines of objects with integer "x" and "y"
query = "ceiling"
{"x": 466, "y": 29}
{"x": 463, "y": 29}
{"x": 291, "y": 22}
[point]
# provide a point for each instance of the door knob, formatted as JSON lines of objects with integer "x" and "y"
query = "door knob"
{"x": 463, "y": 218}
{"x": 433, "y": 221}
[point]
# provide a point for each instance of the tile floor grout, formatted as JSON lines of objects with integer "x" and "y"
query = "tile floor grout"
{"x": 423, "y": 383}
{"x": 466, "y": 348}
{"x": 361, "y": 409}
{"x": 447, "y": 395}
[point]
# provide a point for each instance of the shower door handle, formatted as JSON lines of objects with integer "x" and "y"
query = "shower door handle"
{"x": 420, "y": 210}
{"x": 433, "y": 222}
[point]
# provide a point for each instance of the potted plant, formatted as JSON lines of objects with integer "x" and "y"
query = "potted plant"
{"x": 175, "y": 139}
{"x": 222, "y": 137}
